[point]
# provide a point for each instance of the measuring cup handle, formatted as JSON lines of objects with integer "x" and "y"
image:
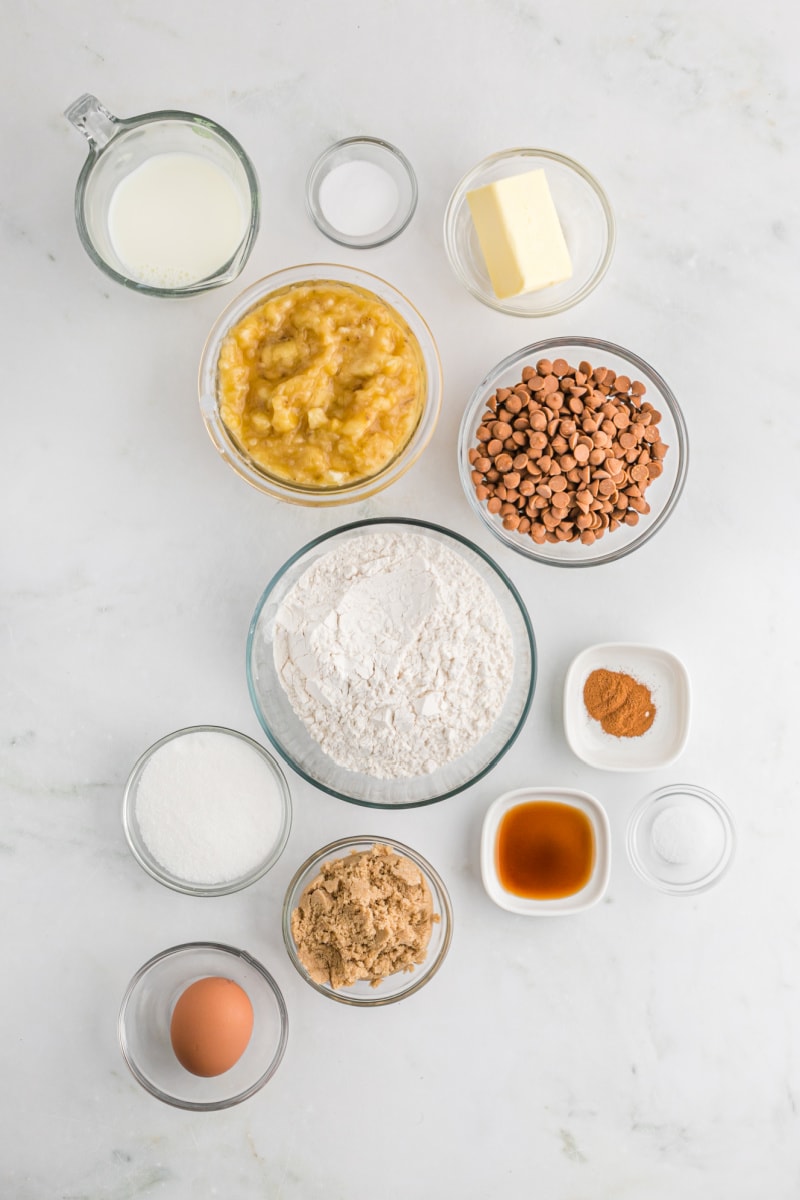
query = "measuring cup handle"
{"x": 94, "y": 121}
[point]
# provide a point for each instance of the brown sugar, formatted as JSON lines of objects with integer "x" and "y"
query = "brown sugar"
{"x": 623, "y": 706}
{"x": 365, "y": 916}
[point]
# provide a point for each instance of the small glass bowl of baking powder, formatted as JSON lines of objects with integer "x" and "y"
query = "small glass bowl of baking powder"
{"x": 681, "y": 839}
{"x": 391, "y": 987}
{"x": 206, "y": 811}
{"x": 361, "y": 192}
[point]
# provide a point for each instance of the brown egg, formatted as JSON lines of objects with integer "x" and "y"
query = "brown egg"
{"x": 211, "y": 1026}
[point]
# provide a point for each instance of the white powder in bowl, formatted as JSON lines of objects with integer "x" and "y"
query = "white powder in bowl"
{"x": 394, "y": 653}
{"x": 358, "y": 198}
{"x": 208, "y": 807}
{"x": 687, "y": 837}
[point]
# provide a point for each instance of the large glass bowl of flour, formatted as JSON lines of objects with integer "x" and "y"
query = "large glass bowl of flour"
{"x": 391, "y": 663}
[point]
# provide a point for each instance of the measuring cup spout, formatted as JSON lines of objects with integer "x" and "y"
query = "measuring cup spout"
{"x": 94, "y": 121}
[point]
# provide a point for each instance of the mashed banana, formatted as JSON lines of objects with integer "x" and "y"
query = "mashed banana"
{"x": 322, "y": 384}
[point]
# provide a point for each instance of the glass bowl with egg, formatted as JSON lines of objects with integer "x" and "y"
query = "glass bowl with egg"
{"x": 601, "y": 457}
{"x": 436, "y": 713}
{"x": 583, "y": 214}
{"x": 203, "y": 1026}
{"x": 320, "y": 385}
{"x": 384, "y": 930}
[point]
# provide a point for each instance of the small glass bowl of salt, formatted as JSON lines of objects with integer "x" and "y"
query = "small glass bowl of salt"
{"x": 681, "y": 839}
{"x": 206, "y": 811}
{"x": 361, "y": 192}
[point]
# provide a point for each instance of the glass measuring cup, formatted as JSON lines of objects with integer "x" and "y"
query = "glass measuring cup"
{"x": 119, "y": 147}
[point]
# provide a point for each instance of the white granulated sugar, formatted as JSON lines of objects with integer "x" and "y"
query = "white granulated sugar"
{"x": 687, "y": 836}
{"x": 394, "y": 653}
{"x": 208, "y": 807}
{"x": 358, "y": 198}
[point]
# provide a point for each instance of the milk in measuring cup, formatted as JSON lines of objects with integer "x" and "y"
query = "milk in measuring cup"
{"x": 175, "y": 220}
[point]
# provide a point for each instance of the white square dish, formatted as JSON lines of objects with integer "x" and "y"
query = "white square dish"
{"x": 668, "y": 681}
{"x": 601, "y": 866}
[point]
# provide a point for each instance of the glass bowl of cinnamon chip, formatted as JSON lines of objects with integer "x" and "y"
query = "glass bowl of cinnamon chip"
{"x": 573, "y": 451}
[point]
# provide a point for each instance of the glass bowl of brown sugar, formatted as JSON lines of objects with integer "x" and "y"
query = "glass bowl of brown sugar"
{"x": 382, "y": 928}
{"x": 627, "y": 707}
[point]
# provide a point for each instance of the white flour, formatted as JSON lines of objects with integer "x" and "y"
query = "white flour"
{"x": 394, "y": 653}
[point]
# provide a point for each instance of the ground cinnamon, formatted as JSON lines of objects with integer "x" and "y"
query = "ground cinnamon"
{"x": 623, "y": 706}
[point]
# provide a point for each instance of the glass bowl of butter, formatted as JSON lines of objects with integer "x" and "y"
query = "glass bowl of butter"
{"x": 529, "y": 232}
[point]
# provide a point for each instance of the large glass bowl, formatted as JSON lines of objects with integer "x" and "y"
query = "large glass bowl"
{"x": 289, "y": 735}
{"x": 243, "y": 464}
{"x": 663, "y": 493}
{"x": 146, "y": 1012}
{"x": 583, "y": 211}
{"x": 393, "y": 987}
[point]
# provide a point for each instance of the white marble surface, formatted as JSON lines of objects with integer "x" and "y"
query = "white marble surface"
{"x": 645, "y": 1049}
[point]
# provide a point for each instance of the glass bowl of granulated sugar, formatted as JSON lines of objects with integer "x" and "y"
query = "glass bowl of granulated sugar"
{"x": 391, "y": 663}
{"x": 206, "y": 811}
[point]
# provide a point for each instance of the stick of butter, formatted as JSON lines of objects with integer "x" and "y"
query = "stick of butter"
{"x": 520, "y": 234}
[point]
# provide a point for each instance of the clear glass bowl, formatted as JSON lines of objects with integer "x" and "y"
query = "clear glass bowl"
{"x": 380, "y": 154}
{"x": 241, "y": 462}
{"x": 675, "y": 873}
{"x": 393, "y": 987}
{"x": 139, "y": 847}
{"x": 584, "y": 213}
{"x": 289, "y": 735}
{"x": 663, "y": 493}
{"x": 146, "y": 1012}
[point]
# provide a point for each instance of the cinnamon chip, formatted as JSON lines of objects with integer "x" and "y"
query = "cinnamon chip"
{"x": 567, "y": 453}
